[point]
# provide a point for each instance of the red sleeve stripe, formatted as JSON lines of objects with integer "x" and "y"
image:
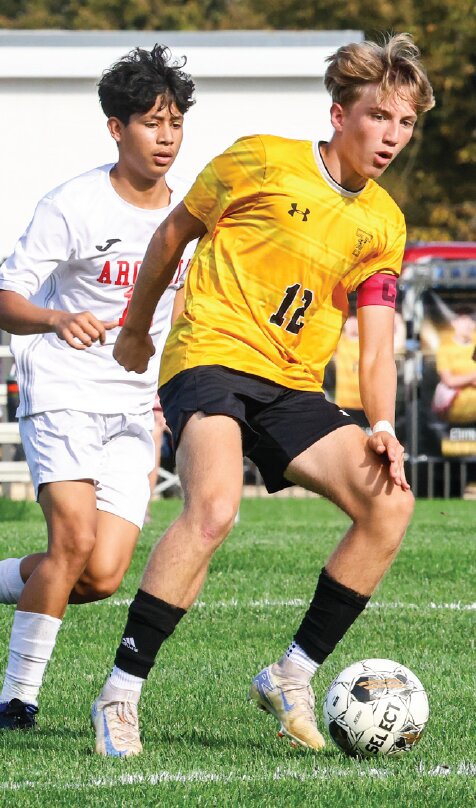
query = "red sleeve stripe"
{"x": 378, "y": 290}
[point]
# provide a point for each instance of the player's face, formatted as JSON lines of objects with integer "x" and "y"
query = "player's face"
{"x": 371, "y": 133}
{"x": 150, "y": 142}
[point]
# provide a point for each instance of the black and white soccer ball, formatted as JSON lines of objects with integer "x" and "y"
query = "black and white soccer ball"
{"x": 376, "y": 707}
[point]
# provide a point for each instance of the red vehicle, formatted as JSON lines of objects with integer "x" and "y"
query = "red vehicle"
{"x": 423, "y": 251}
{"x": 440, "y": 264}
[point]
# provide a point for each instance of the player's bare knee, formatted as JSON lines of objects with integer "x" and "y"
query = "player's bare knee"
{"x": 215, "y": 530}
{"x": 408, "y": 505}
{"x": 72, "y": 553}
{"x": 386, "y": 513}
{"x": 214, "y": 523}
{"x": 392, "y": 515}
{"x": 401, "y": 507}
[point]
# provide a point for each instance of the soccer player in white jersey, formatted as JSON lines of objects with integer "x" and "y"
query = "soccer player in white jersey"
{"x": 85, "y": 422}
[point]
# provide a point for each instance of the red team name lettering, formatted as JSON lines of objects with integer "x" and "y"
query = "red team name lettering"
{"x": 123, "y": 274}
{"x": 105, "y": 276}
{"x": 119, "y": 275}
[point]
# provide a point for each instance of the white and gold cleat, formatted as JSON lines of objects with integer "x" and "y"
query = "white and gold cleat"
{"x": 291, "y": 702}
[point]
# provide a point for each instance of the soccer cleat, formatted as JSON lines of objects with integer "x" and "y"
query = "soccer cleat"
{"x": 291, "y": 702}
{"x": 15, "y": 714}
{"x": 117, "y": 728}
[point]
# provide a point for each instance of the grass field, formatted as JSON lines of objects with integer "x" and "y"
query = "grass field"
{"x": 204, "y": 745}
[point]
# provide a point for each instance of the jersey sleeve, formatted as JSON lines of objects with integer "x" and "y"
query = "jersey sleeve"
{"x": 230, "y": 180}
{"x": 46, "y": 242}
{"x": 388, "y": 260}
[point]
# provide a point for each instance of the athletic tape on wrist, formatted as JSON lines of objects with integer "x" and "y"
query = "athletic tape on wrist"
{"x": 383, "y": 426}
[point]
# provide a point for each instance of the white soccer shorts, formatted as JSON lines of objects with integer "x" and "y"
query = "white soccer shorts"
{"x": 116, "y": 451}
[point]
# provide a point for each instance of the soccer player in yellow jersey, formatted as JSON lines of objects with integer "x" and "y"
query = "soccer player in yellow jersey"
{"x": 287, "y": 228}
{"x": 456, "y": 366}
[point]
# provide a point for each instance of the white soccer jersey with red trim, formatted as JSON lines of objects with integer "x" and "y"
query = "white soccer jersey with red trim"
{"x": 82, "y": 251}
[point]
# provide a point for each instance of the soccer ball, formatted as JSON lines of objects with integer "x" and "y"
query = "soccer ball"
{"x": 376, "y": 707}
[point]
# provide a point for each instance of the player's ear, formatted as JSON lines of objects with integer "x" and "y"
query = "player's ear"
{"x": 115, "y": 127}
{"x": 337, "y": 116}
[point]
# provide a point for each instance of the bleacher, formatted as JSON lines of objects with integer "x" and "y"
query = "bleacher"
{"x": 15, "y": 481}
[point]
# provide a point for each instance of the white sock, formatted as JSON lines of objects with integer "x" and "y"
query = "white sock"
{"x": 32, "y": 641}
{"x": 119, "y": 680}
{"x": 295, "y": 662}
{"x": 11, "y": 582}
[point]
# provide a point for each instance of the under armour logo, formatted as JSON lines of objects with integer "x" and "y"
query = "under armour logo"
{"x": 108, "y": 244}
{"x": 295, "y": 209}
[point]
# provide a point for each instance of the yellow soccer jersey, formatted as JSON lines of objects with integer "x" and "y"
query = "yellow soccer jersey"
{"x": 266, "y": 289}
{"x": 347, "y": 374}
{"x": 458, "y": 358}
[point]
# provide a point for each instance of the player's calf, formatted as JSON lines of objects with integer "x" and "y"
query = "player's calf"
{"x": 91, "y": 589}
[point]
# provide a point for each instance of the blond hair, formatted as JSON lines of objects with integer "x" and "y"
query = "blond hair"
{"x": 395, "y": 66}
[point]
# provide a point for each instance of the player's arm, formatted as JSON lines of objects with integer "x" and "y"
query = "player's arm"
{"x": 134, "y": 347}
{"x": 457, "y": 380}
{"x": 378, "y": 383}
{"x": 45, "y": 244}
{"x": 79, "y": 329}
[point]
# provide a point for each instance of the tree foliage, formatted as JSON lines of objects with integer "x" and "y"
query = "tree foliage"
{"x": 434, "y": 180}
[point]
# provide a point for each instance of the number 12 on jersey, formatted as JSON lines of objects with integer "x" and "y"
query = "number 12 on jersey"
{"x": 296, "y": 321}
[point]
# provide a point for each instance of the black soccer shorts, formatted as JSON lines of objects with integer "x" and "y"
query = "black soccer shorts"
{"x": 277, "y": 423}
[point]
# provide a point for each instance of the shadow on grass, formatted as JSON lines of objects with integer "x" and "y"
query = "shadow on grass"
{"x": 270, "y": 746}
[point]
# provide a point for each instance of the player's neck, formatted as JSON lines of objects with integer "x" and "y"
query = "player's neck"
{"x": 338, "y": 169}
{"x": 139, "y": 191}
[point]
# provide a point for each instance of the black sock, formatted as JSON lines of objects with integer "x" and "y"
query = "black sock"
{"x": 150, "y": 622}
{"x": 333, "y": 609}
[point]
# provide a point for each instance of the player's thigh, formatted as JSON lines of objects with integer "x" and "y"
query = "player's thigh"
{"x": 210, "y": 459}
{"x": 69, "y": 508}
{"x": 116, "y": 539}
{"x": 343, "y": 468}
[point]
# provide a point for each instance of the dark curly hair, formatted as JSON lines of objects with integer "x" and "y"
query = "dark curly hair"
{"x": 132, "y": 84}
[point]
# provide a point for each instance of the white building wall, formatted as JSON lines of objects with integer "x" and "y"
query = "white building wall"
{"x": 53, "y": 127}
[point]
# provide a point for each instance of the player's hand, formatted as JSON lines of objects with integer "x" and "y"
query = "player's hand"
{"x": 383, "y": 443}
{"x": 133, "y": 351}
{"x": 80, "y": 330}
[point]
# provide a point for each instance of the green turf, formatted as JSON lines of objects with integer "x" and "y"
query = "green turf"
{"x": 203, "y": 744}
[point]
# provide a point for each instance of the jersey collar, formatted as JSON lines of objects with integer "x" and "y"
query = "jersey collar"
{"x": 329, "y": 179}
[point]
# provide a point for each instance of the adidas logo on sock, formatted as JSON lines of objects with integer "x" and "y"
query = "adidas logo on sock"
{"x": 129, "y": 643}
